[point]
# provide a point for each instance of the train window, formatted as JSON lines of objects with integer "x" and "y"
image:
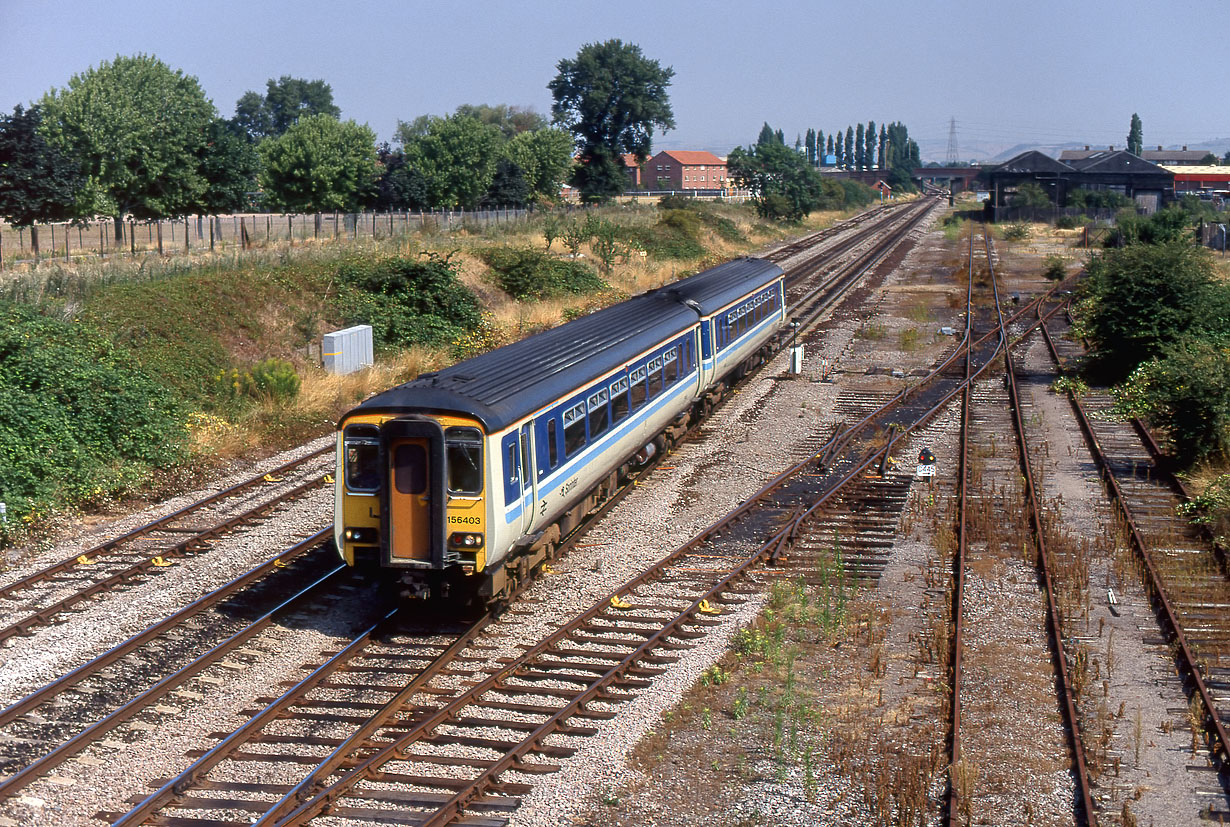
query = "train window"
{"x": 410, "y": 468}
{"x": 599, "y": 414}
{"x": 619, "y": 399}
{"x": 637, "y": 390}
{"x": 574, "y": 429}
{"x": 655, "y": 377}
{"x": 463, "y": 453}
{"x": 552, "y": 450}
{"x": 670, "y": 361}
{"x": 362, "y": 464}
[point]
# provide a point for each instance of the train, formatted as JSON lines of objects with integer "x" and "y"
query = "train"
{"x": 458, "y": 484}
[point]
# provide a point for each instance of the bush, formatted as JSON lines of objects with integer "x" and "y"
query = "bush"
{"x": 1016, "y": 232}
{"x": 274, "y": 380}
{"x": 407, "y": 301}
{"x": 526, "y": 273}
{"x": 1187, "y": 392}
{"x": 1068, "y": 222}
{"x": 1054, "y": 268}
{"x": 1145, "y": 297}
{"x": 79, "y": 421}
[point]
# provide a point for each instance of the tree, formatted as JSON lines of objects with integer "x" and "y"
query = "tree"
{"x": 883, "y": 146}
{"x": 510, "y": 120}
{"x": 38, "y": 182}
{"x": 1209, "y": 159}
{"x": 136, "y": 128}
{"x": 457, "y": 158}
{"x": 871, "y": 144}
{"x": 229, "y": 165}
{"x": 830, "y": 150}
{"x": 1143, "y": 298}
{"x": 611, "y": 97}
{"x": 508, "y": 186}
{"x": 849, "y": 148}
{"x": 545, "y": 157}
{"x": 318, "y": 164}
{"x": 819, "y": 147}
{"x": 784, "y": 185}
{"x": 840, "y": 153}
{"x": 1135, "y": 138}
{"x": 1030, "y": 196}
{"x": 811, "y": 146}
{"x": 767, "y": 135}
{"x": 860, "y": 149}
{"x": 399, "y": 187}
{"x": 285, "y": 101}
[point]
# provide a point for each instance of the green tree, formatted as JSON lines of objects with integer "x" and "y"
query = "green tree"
{"x": 883, "y": 147}
{"x": 840, "y": 151}
{"x": 849, "y": 148}
{"x": 399, "y": 187}
{"x": 860, "y": 149}
{"x": 229, "y": 164}
{"x": 810, "y": 144}
{"x": 510, "y": 120}
{"x": 611, "y": 97}
{"x": 1135, "y": 138}
{"x": 545, "y": 157}
{"x": 457, "y": 158}
{"x": 819, "y": 147}
{"x": 38, "y": 182}
{"x": 1143, "y": 298}
{"x": 767, "y": 135}
{"x": 1209, "y": 159}
{"x": 784, "y": 185}
{"x": 508, "y": 186}
{"x": 830, "y": 150}
{"x": 285, "y": 101}
{"x": 137, "y": 128}
{"x": 871, "y": 145}
{"x": 1030, "y": 196}
{"x": 318, "y": 164}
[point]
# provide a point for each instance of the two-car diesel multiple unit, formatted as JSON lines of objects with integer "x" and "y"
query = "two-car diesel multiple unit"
{"x": 462, "y": 481}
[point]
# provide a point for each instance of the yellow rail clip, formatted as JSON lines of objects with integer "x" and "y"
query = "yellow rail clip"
{"x": 328, "y": 479}
{"x": 279, "y": 563}
{"x": 617, "y": 603}
{"x": 272, "y": 478}
{"x": 705, "y": 608}
{"x": 546, "y": 569}
{"x": 161, "y": 562}
{"x": 85, "y": 561}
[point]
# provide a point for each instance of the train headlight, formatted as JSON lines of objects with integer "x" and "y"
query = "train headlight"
{"x": 360, "y": 535}
{"x": 466, "y": 539}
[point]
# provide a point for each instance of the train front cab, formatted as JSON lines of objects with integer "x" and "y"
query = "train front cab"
{"x": 412, "y": 495}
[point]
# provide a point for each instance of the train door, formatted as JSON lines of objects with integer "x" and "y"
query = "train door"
{"x": 528, "y": 482}
{"x": 413, "y": 512}
{"x": 410, "y": 499}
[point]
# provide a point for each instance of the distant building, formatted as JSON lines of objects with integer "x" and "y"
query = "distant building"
{"x": 883, "y": 188}
{"x": 1200, "y": 180}
{"x": 1149, "y": 184}
{"x": 635, "y": 171}
{"x": 1166, "y": 157}
{"x": 675, "y": 169}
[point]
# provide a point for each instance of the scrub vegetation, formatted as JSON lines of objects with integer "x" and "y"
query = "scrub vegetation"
{"x": 125, "y": 378}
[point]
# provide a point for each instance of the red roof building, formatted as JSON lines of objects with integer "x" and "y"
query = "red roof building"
{"x": 675, "y": 169}
{"x": 634, "y": 169}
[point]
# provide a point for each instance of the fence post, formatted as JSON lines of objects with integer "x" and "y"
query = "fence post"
{"x": 132, "y": 235}
{"x": 212, "y": 219}
{"x": 159, "y": 237}
{"x": 290, "y": 228}
{"x": 102, "y": 241}
{"x": 67, "y": 235}
{"x": 1, "y": 251}
{"x": 316, "y": 219}
{"x": 187, "y": 235}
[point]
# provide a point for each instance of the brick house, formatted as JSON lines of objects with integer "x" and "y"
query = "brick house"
{"x": 674, "y": 169}
{"x": 634, "y": 170}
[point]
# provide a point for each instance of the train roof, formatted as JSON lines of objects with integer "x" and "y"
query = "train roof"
{"x": 505, "y": 385}
{"x": 717, "y": 287}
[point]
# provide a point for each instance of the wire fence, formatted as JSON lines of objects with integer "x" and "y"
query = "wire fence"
{"x": 193, "y": 234}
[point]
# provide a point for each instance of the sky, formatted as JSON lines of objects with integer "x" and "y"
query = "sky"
{"x": 1042, "y": 72}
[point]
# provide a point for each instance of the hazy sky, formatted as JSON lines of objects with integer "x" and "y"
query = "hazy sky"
{"x": 1042, "y": 71}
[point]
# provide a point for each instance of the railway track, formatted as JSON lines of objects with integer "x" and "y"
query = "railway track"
{"x": 1183, "y": 576}
{"x": 296, "y": 705}
{"x": 991, "y": 412}
{"x": 45, "y": 596}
